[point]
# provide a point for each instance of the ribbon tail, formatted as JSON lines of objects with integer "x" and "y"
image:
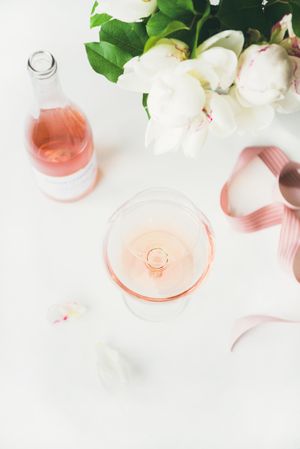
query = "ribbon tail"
{"x": 289, "y": 243}
{"x": 245, "y": 324}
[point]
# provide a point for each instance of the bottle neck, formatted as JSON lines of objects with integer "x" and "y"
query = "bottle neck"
{"x": 43, "y": 71}
{"x": 48, "y": 93}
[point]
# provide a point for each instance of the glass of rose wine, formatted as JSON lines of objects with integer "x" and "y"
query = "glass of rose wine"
{"x": 158, "y": 249}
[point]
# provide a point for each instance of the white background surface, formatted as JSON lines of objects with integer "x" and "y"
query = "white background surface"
{"x": 189, "y": 391}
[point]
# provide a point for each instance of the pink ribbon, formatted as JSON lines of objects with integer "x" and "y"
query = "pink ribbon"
{"x": 245, "y": 324}
{"x": 284, "y": 212}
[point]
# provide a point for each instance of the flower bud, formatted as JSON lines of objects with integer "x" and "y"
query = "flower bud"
{"x": 264, "y": 74}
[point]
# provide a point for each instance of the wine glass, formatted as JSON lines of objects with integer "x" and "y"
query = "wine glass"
{"x": 158, "y": 249}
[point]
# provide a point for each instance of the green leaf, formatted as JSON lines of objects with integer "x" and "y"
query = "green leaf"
{"x": 151, "y": 42}
{"x": 94, "y": 7}
{"x": 98, "y": 20}
{"x": 145, "y": 104}
{"x": 171, "y": 28}
{"x": 241, "y": 15}
{"x": 176, "y": 9}
{"x": 156, "y": 23}
{"x": 107, "y": 59}
{"x": 130, "y": 37}
{"x": 295, "y": 7}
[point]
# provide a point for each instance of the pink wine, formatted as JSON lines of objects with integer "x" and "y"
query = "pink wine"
{"x": 161, "y": 264}
{"x": 158, "y": 262}
{"x": 59, "y": 138}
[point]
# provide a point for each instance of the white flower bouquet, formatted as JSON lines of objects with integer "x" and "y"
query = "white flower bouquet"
{"x": 201, "y": 67}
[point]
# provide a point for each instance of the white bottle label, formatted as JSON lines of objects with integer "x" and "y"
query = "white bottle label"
{"x": 69, "y": 187}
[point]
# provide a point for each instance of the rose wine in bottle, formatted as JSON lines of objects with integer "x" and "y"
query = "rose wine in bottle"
{"x": 59, "y": 138}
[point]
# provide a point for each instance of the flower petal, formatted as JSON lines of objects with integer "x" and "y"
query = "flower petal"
{"x": 264, "y": 74}
{"x": 195, "y": 136}
{"x": 162, "y": 138}
{"x": 175, "y": 99}
{"x": 132, "y": 80}
{"x": 280, "y": 28}
{"x": 290, "y": 103}
{"x": 113, "y": 368}
{"x": 252, "y": 118}
{"x": 230, "y": 39}
{"x": 204, "y": 73}
{"x": 224, "y": 64}
{"x": 127, "y": 10}
{"x": 220, "y": 111}
{"x": 59, "y": 313}
{"x": 141, "y": 71}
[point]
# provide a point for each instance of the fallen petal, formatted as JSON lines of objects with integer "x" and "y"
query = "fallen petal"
{"x": 113, "y": 368}
{"x": 58, "y": 313}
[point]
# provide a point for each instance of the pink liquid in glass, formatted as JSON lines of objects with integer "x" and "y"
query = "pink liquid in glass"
{"x": 161, "y": 266}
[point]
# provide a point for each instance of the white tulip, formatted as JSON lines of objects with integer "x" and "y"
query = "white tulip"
{"x": 127, "y": 10}
{"x": 291, "y": 101}
{"x": 264, "y": 75}
{"x": 140, "y": 72}
{"x": 175, "y": 98}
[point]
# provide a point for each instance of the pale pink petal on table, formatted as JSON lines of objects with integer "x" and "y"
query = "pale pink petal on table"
{"x": 114, "y": 371}
{"x": 58, "y": 313}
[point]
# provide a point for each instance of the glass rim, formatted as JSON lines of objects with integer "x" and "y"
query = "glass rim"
{"x": 198, "y": 214}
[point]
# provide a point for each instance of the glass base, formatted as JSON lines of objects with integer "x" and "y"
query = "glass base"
{"x": 155, "y": 311}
